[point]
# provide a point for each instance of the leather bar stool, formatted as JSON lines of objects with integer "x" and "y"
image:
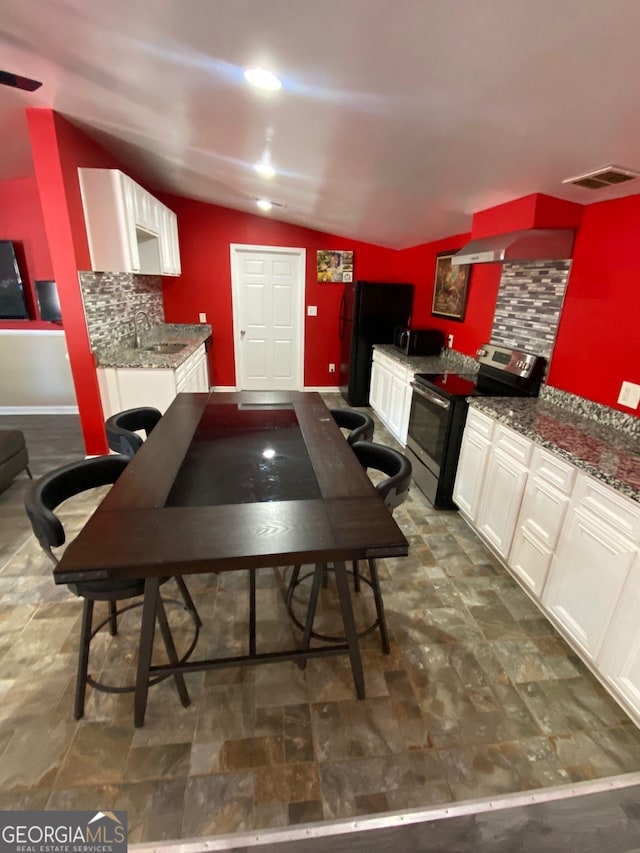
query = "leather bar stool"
{"x": 394, "y": 490}
{"x": 45, "y": 495}
{"x": 360, "y": 424}
{"x": 121, "y": 429}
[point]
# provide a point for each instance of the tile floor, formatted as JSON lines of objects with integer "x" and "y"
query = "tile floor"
{"x": 479, "y": 696}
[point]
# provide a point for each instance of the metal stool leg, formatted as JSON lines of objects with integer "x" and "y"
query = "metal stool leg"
{"x": 113, "y": 618}
{"x": 292, "y": 584}
{"x": 356, "y": 576}
{"x": 188, "y": 601}
{"x": 83, "y": 658}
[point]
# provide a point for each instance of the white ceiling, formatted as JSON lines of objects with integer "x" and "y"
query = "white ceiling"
{"x": 397, "y": 118}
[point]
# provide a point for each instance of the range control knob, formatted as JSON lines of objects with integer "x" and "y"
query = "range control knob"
{"x": 480, "y": 352}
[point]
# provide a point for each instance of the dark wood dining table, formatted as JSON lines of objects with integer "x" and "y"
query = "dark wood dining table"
{"x": 232, "y": 481}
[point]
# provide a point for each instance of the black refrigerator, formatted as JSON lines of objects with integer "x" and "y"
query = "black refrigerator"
{"x": 369, "y": 314}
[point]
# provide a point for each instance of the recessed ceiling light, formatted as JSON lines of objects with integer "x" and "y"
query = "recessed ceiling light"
{"x": 265, "y": 169}
{"x": 262, "y": 79}
{"x": 264, "y": 204}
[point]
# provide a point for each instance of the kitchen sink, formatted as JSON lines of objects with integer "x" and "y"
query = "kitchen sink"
{"x": 167, "y": 349}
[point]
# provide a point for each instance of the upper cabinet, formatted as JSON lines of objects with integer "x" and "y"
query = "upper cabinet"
{"x": 128, "y": 230}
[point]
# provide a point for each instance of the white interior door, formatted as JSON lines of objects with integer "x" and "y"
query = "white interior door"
{"x": 268, "y": 317}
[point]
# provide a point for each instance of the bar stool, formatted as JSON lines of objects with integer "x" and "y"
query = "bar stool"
{"x": 360, "y": 424}
{"x": 43, "y": 497}
{"x": 121, "y": 429}
{"x": 394, "y": 490}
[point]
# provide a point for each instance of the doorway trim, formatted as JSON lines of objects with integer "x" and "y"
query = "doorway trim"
{"x": 238, "y": 249}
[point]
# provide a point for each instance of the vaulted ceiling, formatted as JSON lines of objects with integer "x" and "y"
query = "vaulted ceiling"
{"x": 396, "y": 120}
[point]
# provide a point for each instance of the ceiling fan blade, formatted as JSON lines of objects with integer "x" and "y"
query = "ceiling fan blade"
{"x": 8, "y": 79}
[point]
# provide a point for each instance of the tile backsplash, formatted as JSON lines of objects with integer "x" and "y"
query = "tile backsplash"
{"x": 528, "y": 306}
{"x": 111, "y": 300}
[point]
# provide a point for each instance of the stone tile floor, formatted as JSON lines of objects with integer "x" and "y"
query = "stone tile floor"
{"x": 479, "y": 697}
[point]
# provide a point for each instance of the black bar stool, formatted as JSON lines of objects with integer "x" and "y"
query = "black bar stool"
{"x": 360, "y": 424}
{"x": 121, "y": 429}
{"x": 394, "y": 490}
{"x": 43, "y": 497}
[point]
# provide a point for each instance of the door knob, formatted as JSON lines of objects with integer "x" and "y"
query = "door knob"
{"x": 242, "y": 333}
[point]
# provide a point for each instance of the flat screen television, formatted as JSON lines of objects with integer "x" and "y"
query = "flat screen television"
{"x": 12, "y": 302}
{"x": 48, "y": 301}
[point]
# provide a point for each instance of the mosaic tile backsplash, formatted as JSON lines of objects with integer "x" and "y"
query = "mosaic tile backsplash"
{"x": 528, "y": 305}
{"x": 111, "y": 300}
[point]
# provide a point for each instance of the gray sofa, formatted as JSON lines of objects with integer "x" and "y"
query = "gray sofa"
{"x": 13, "y": 456}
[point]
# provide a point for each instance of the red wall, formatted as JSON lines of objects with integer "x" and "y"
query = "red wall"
{"x": 598, "y": 343}
{"x": 58, "y": 149}
{"x": 206, "y": 232}
{"x": 601, "y": 304}
{"x": 21, "y": 221}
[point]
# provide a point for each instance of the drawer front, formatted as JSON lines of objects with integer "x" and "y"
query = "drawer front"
{"x": 402, "y": 372}
{"x": 549, "y": 467}
{"x": 480, "y": 422}
{"x": 610, "y": 506}
{"x": 514, "y": 445}
{"x": 383, "y": 360}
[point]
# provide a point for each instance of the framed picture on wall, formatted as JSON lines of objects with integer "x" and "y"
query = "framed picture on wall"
{"x": 334, "y": 266}
{"x": 450, "y": 288}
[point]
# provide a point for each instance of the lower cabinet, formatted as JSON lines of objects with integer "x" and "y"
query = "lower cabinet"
{"x": 472, "y": 463}
{"x": 542, "y": 513}
{"x": 590, "y": 565}
{"x": 572, "y": 541}
{"x": 619, "y": 657}
{"x": 390, "y": 394}
{"x": 505, "y": 480}
{"x": 491, "y": 477}
{"x": 129, "y": 387}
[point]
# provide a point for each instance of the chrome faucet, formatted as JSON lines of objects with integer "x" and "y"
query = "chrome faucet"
{"x": 135, "y": 326}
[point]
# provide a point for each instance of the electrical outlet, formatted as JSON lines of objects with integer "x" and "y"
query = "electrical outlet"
{"x": 203, "y": 317}
{"x": 332, "y": 368}
{"x": 450, "y": 341}
{"x": 312, "y": 310}
{"x": 629, "y": 395}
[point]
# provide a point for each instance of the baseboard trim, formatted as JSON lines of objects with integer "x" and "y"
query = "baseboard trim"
{"x": 38, "y": 410}
{"x": 321, "y": 389}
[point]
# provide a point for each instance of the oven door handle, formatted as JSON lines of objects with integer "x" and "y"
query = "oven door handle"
{"x": 429, "y": 395}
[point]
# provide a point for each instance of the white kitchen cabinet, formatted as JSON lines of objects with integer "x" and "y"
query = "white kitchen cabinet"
{"x": 591, "y": 564}
{"x": 619, "y": 658}
{"x": 390, "y": 394}
{"x": 542, "y": 514}
{"x": 128, "y": 230}
{"x": 472, "y": 463}
{"x": 169, "y": 246}
{"x": 128, "y": 387}
{"x": 380, "y": 388}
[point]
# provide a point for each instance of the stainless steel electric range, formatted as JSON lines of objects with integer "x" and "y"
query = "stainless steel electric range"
{"x": 439, "y": 411}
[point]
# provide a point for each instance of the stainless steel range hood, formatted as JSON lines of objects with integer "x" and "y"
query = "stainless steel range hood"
{"x": 534, "y": 244}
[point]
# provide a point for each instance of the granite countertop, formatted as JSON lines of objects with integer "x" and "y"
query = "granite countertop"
{"x": 453, "y": 362}
{"x": 124, "y": 354}
{"x": 606, "y": 452}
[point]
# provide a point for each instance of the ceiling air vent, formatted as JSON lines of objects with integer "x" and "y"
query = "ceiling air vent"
{"x": 607, "y": 176}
